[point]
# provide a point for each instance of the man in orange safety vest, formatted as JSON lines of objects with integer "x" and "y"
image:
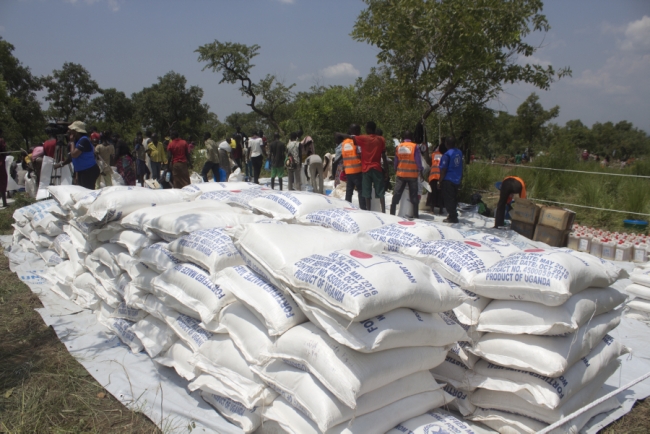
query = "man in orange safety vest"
{"x": 408, "y": 166}
{"x": 434, "y": 198}
{"x": 351, "y": 156}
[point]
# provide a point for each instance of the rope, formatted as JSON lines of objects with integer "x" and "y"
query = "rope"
{"x": 573, "y": 415}
{"x": 591, "y": 207}
{"x": 564, "y": 170}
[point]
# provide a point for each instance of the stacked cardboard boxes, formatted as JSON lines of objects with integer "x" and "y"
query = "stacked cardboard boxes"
{"x": 554, "y": 226}
{"x": 524, "y": 215}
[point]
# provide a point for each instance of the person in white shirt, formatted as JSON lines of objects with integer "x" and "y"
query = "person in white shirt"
{"x": 257, "y": 155}
{"x": 294, "y": 161}
{"x": 314, "y": 164}
{"x": 224, "y": 157}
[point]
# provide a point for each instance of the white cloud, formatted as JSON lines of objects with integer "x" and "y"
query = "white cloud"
{"x": 637, "y": 36}
{"x": 113, "y": 5}
{"x": 340, "y": 70}
{"x": 287, "y": 2}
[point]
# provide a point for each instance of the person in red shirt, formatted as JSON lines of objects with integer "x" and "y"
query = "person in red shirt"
{"x": 49, "y": 146}
{"x": 373, "y": 153}
{"x": 178, "y": 154}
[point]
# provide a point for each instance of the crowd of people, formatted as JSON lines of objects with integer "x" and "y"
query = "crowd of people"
{"x": 359, "y": 160}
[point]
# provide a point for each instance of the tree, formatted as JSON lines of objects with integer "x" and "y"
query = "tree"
{"x": 21, "y": 112}
{"x": 170, "y": 104}
{"x": 233, "y": 61}
{"x": 68, "y": 91}
{"x": 468, "y": 48}
{"x": 531, "y": 117}
{"x": 112, "y": 110}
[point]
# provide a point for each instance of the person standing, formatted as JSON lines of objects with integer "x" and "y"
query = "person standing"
{"x": 351, "y": 157}
{"x": 212, "y": 161}
{"x": 125, "y": 163}
{"x": 294, "y": 161}
{"x": 408, "y": 166}
{"x": 3, "y": 169}
{"x": 434, "y": 198}
{"x": 277, "y": 155}
{"x": 373, "y": 153}
{"x": 257, "y": 155}
{"x": 157, "y": 155}
{"x": 314, "y": 164}
{"x": 49, "y": 146}
{"x": 510, "y": 186}
{"x": 141, "y": 159}
{"x": 178, "y": 154}
{"x": 105, "y": 154}
{"x": 225, "y": 148}
{"x": 238, "y": 150}
{"x": 451, "y": 173}
{"x": 82, "y": 156}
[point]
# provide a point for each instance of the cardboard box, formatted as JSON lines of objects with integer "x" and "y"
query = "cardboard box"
{"x": 525, "y": 211}
{"x": 525, "y": 229}
{"x": 551, "y": 236}
{"x": 558, "y": 218}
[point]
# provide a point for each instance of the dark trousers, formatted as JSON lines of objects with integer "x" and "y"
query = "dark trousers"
{"x": 400, "y": 185}
{"x": 207, "y": 167}
{"x": 450, "y": 199}
{"x": 87, "y": 178}
{"x": 355, "y": 180}
{"x": 155, "y": 170}
{"x": 257, "y": 167}
{"x": 434, "y": 198}
{"x": 508, "y": 187}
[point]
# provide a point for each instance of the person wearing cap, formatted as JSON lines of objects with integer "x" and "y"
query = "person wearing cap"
{"x": 105, "y": 155}
{"x": 510, "y": 186}
{"x": 82, "y": 156}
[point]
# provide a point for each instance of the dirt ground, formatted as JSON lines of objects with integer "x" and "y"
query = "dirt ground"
{"x": 43, "y": 389}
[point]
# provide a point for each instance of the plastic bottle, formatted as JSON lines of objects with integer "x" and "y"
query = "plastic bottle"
{"x": 609, "y": 249}
{"x": 640, "y": 252}
{"x": 574, "y": 240}
{"x": 623, "y": 251}
{"x": 596, "y": 247}
{"x": 584, "y": 245}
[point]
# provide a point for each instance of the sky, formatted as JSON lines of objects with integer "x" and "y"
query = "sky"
{"x": 128, "y": 44}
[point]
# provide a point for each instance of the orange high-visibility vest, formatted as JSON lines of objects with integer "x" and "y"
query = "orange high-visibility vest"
{"x": 351, "y": 160}
{"x": 523, "y": 187}
{"x": 434, "y": 174}
{"x": 406, "y": 166}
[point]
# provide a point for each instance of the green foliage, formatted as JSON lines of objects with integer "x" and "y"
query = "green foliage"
{"x": 68, "y": 91}
{"x": 170, "y": 104}
{"x": 114, "y": 111}
{"x": 467, "y": 48}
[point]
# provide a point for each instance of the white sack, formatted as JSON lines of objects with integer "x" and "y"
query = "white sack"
{"x": 63, "y": 194}
{"x": 141, "y": 220}
{"x": 128, "y": 313}
{"x": 524, "y": 317}
{"x": 240, "y": 198}
{"x": 309, "y": 396}
{"x": 641, "y": 277}
{"x": 640, "y": 305}
{"x": 637, "y": 290}
{"x": 439, "y": 421}
{"x": 117, "y": 204}
{"x": 470, "y": 310}
{"x": 133, "y": 241}
{"x": 154, "y": 334}
{"x": 178, "y": 356}
{"x": 397, "y": 328}
{"x": 194, "y": 190}
{"x": 142, "y": 275}
{"x": 124, "y": 330}
{"x": 107, "y": 254}
{"x": 211, "y": 249}
{"x": 398, "y": 236}
{"x": 458, "y": 261}
{"x": 545, "y": 391}
{"x": 192, "y": 287}
{"x": 158, "y": 257}
{"x": 275, "y": 309}
{"x": 461, "y": 402}
{"x": 546, "y": 355}
{"x": 351, "y": 221}
{"x": 349, "y": 374}
{"x": 59, "y": 243}
{"x": 287, "y": 205}
{"x": 548, "y": 277}
{"x": 24, "y": 215}
{"x": 234, "y": 412}
{"x": 359, "y": 285}
{"x": 46, "y": 223}
{"x": 247, "y": 332}
{"x": 453, "y": 371}
{"x": 186, "y": 328}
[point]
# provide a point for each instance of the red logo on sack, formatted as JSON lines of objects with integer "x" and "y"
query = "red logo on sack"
{"x": 473, "y": 244}
{"x": 534, "y": 250}
{"x": 406, "y": 223}
{"x": 360, "y": 255}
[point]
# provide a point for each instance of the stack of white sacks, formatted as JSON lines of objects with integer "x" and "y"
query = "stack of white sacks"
{"x": 639, "y": 290}
{"x": 294, "y": 309}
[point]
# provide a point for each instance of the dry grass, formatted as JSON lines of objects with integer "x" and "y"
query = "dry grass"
{"x": 43, "y": 389}
{"x": 635, "y": 422}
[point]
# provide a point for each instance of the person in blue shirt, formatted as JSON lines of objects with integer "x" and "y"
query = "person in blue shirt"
{"x": 82, "y": 156}
{"x": 451, "y": 173}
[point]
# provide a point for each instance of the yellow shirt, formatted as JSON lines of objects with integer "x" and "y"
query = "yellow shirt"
{"x": 157, "y": 152}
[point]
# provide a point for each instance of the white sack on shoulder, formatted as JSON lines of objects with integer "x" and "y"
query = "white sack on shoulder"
{"x": 546, "y": 355}
{"x": 397, "y": 328}
{"x": 545, "y": 391}
{"x": 247, "y": 332}
{"x": 548, "y": 277}
{"x": 211, "y": 249}
{"x": 525, "y": 317}
{"x": 310, "y": 397}
{"x": 398, "y": 236}
{"x": 458, "y": 261}
{"x": 359, "y": 285}
{"x": 349, "y": 220}
{"x": 268, "y": 248}
{"x": 275, "y": 309}
{"x": 349, "y": 374}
